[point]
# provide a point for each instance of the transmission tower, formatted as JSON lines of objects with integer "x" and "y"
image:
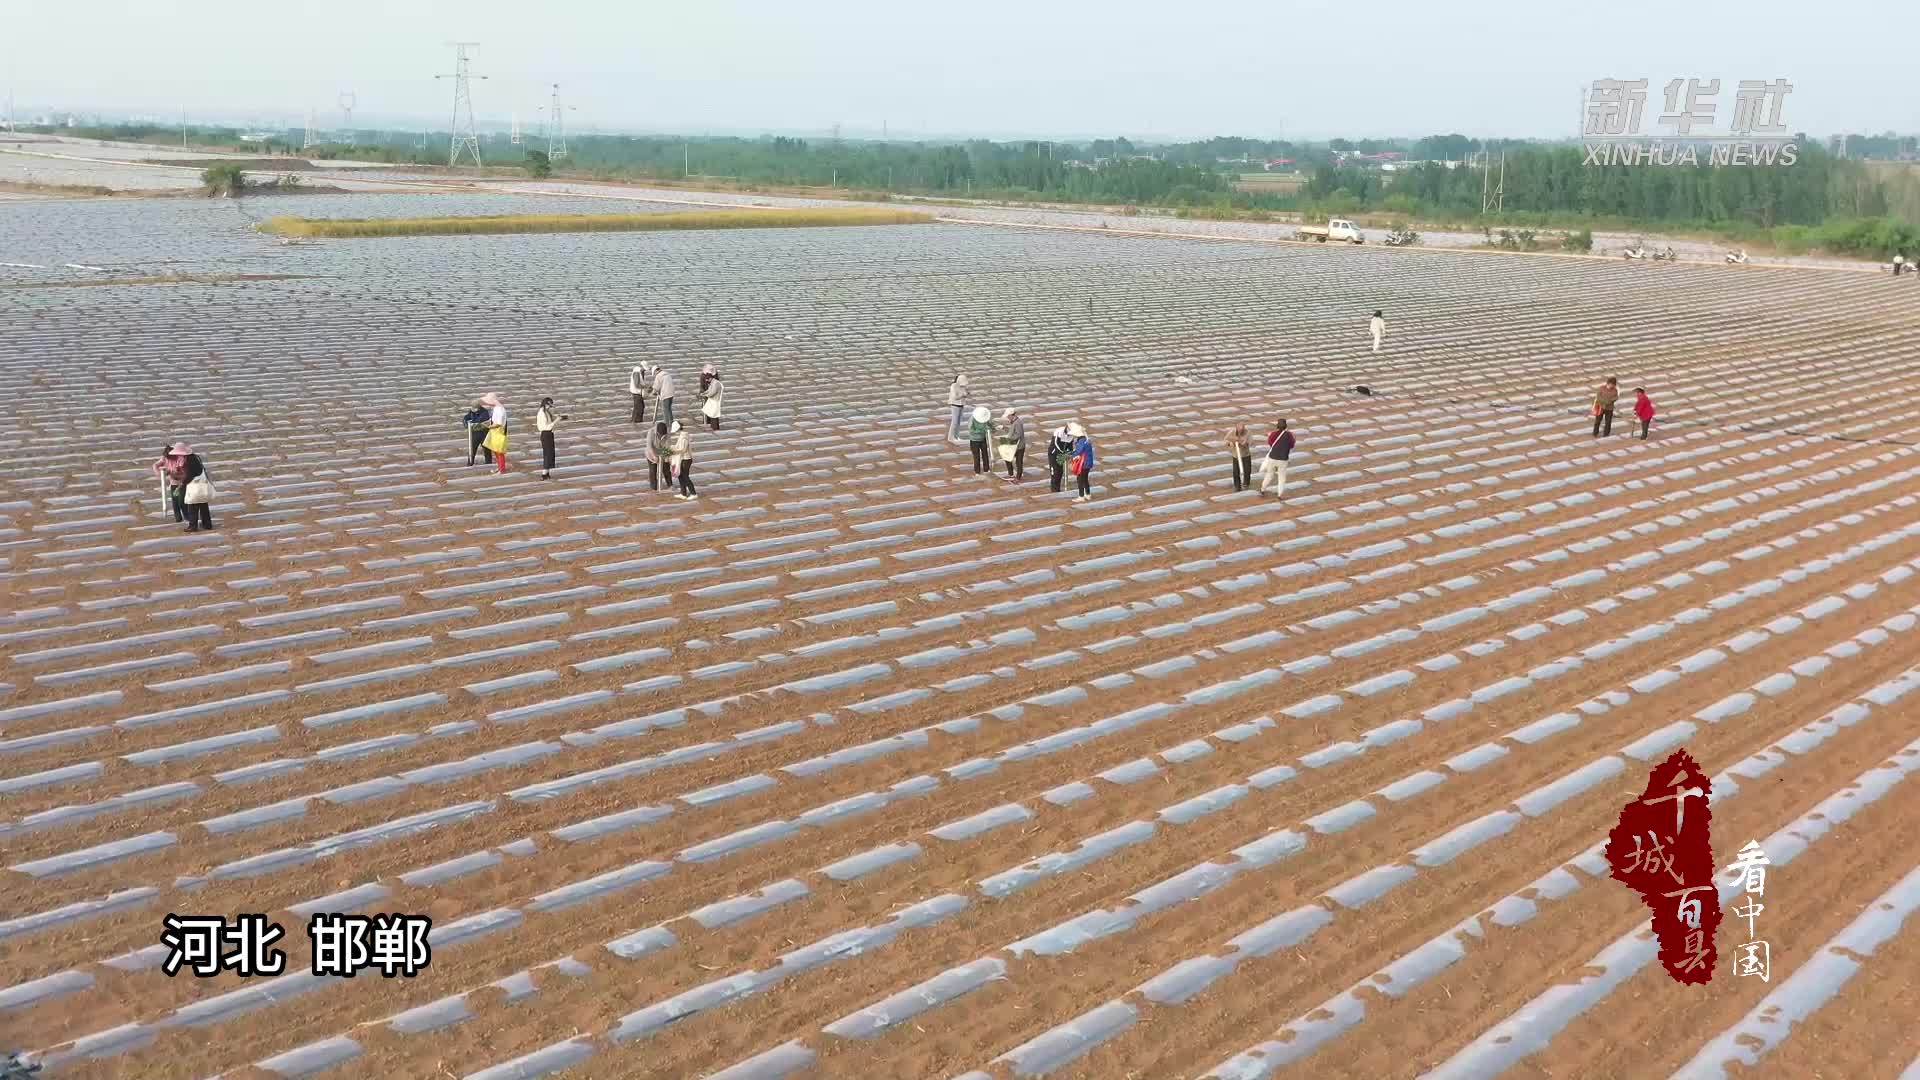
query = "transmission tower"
{"x": 1493, "y": 192}
{"x": 312, "y": 140}
{"x": 514, "y": 138}
{"x": 346, "y": 110}
{"x": 463, "y": 139}
{"x": 557, "y": 129}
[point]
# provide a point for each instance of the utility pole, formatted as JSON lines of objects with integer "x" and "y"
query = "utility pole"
{"x": 311, "y": 140}
{"x": 686, "y": 159}
{"x": 468, "y": 140}
{"x": 183, "y": 118}
{"x": 514, "y": 137}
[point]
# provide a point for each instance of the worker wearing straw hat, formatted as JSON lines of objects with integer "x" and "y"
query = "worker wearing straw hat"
{"x": 194, "y": 497}
{"x": 979, "y": 432}
{"x": 496, "y": 429}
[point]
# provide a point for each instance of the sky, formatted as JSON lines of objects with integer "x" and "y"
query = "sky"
{"x": 989, "y": 68}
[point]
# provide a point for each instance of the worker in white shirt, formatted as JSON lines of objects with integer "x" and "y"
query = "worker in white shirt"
{"x": 663, "y": 391}
{"x": 639, "y": 381}
{"x": 1377, "y": 324}
{"x": 545, "y": 421}
{"x": 712, "y": 395}
{"x": 680, "y": 448}
{"x": 959, "y": 397}
{"x": 496, "y": 429}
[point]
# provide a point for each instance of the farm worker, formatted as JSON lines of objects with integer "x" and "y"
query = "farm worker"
{"x": 1273, "y": 470}
{"x": 712, "y": 390}
{"x": 978, "y": 432}
{"x": 957, "y": 399}
{"x": 1240, "y": 453}
{"x": 1899, "y": 263}
{"x": 1082, "y": 463}
{"x": 658, "y": 463}
{"x": 476, "y": 421}
{"x": 194, "y": 497}
{"x": 1377, "y": 324}
{"x": 172, "y": 471}
{"x": 1013, "y": 443}
{"x": 639, "y": 381}
{"x": 1603, "y": 402}
{"x": 680, "y": 447}
{"x": 663, "y": 390}
{"x": 545, "y": 421}
{"x": 1643, "y": 408}
{"x": 496, "y": 429}
{"x": 1059, "y": 449}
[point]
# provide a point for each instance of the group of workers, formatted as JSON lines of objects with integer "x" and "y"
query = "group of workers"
{"x": 669, "y": 445}
{"x": 486, "y": 426}
{"x": 1069, "y": 447}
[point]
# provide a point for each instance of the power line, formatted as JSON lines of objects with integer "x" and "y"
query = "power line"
{"x": 469, "y": 140}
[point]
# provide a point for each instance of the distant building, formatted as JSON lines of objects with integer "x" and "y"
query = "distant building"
{"x": 1279, "y": 164}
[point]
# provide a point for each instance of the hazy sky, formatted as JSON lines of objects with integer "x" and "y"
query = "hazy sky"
{"x": 1063, "y": 68}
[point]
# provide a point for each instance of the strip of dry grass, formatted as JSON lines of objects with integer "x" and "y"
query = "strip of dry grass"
{"x": 29, "y": 187}
{"x": 557, "y": 223}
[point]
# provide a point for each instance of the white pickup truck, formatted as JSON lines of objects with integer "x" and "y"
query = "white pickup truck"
{"x": 1337, "y": 229}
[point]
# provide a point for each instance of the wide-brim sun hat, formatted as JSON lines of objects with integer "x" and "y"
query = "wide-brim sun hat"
{"x": 1076, "y": 430}
{"x": 490, "y": 399}
{"x": 1006, "y": 412}
{"x": 179, "y": 449}
{"x": 674, "y": 429}
{"x": 981, "y": 414}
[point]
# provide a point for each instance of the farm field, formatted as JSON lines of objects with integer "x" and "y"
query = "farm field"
{"x": 861, "y": 764}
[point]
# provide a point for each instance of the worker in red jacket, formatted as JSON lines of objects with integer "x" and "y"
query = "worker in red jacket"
{"x": 1643, "y": 408}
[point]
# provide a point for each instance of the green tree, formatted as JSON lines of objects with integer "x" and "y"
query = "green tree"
{"x": 538, "y": 165}
{"x": 224, "y": 180}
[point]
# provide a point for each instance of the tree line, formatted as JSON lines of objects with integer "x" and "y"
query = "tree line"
{"x": 1544, "y": 184}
